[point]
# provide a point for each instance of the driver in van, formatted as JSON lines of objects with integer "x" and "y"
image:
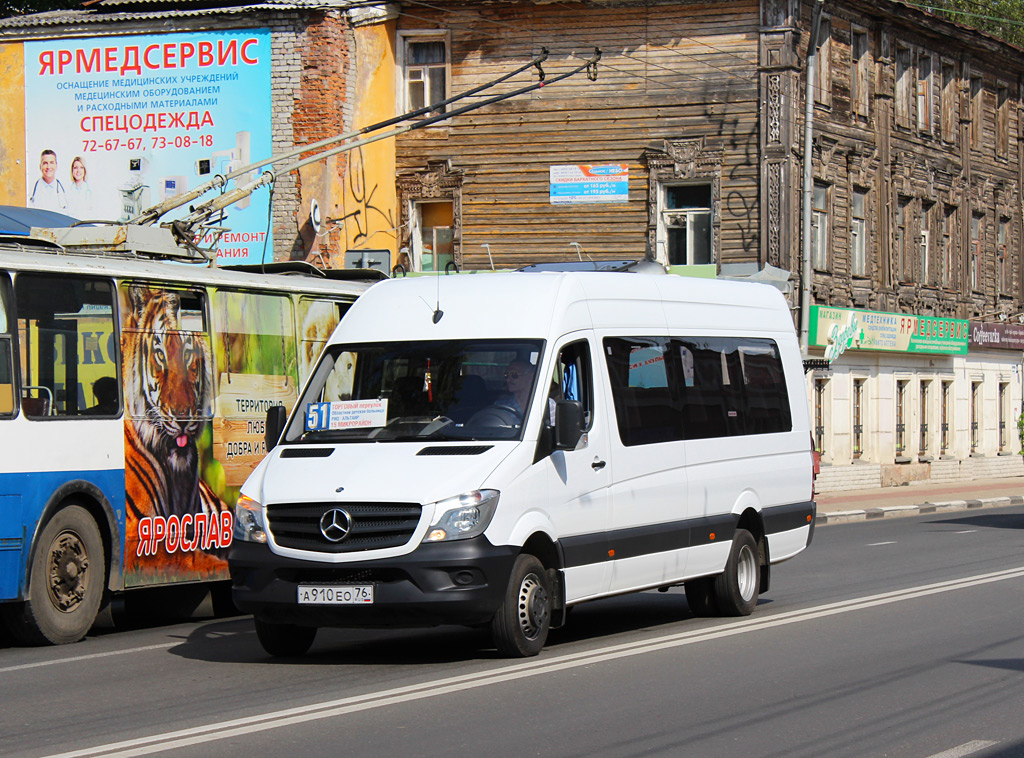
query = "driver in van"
{"x": 518, "y": 380}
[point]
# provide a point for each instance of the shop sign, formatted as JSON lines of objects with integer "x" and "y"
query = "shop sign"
{"x": 841, "y": 329}
{"x": 996, "y": 336}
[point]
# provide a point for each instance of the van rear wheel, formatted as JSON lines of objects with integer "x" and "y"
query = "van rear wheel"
{"x": 520, "y": 627}
{"x": 284, "y": 640}
{"x": 736, "y": 588}
{"x": 66, "y": 583}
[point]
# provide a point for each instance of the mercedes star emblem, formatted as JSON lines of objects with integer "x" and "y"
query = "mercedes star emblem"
{"x": 335, "y": 524}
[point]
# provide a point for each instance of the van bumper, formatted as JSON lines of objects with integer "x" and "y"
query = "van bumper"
{"x": 461, "y": 582}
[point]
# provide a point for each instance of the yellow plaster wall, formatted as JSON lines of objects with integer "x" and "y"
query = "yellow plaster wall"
{"x": 369, "y": 184}
{"x": 12, "y": 124}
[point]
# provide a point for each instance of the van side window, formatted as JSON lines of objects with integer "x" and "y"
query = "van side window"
{"x": 731, "y": 387}
{"x": 69, "y": 355}
{"x": 572, "y": 378}
{"x": 642, "y": 371}
{"x": 696, "y": 388}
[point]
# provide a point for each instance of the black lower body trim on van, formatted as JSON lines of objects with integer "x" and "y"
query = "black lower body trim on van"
{"x": 588, "y": 549}
{"x": 460, "y": 582}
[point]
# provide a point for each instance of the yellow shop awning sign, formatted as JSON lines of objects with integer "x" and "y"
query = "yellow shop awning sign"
{"x": 841, "y": 329}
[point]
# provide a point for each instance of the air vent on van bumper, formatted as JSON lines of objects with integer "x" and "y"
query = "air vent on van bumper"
{"x": 369, "y": 526}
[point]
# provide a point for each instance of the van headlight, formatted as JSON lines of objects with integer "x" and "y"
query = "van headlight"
{"x": 462, "y": 516}
{"x": 249, "y": 521}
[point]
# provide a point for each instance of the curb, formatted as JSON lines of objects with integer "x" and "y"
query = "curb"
{"x": 893, "y": 511}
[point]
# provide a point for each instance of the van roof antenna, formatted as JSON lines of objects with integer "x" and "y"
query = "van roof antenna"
{"x": 579, "y": 249}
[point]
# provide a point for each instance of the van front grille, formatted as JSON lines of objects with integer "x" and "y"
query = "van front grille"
{"x": 371, "y": 526}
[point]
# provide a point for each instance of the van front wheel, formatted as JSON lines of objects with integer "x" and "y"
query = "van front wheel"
{"x": 736, "y": 589}
{"x": 520, "y": 627}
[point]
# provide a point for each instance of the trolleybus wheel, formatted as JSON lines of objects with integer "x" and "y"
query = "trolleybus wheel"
{"x": 65, "y": 584}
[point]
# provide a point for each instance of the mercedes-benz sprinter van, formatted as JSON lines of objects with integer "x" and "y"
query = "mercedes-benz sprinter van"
{"x": 494, "y": 449}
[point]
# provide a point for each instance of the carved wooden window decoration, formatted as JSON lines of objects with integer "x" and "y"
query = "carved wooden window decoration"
{"x": 903, "y": 265}
{"x": 925, "y": 270}
{"x": 683, "y": 202}
{"x": 1003, "y": 251}
{"x": 431, "y": 217}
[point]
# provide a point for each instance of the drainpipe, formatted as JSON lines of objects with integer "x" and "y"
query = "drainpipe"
{"x": 805, "y": 288}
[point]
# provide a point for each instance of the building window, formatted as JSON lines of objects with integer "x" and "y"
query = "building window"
{"x": 924, "y": 246}
{"x": 950, "y": 102}
{"x": 823, "y": 65}
{"x": 977, "y": 224}
{"x": 820, "y": 387}
{"x": 975, "y": 417}
{"x": 904, "y": 90}
{"x": 903, "y": 260}
{"x": 901, "y": 417}
{"x": 1005, "y": 269}
{"x": 684, "y": 224}
{"x": 924, "y": 93}
{"x": 945, "y": 417}
{"x": 949, "y": 238}
{"x": 860, "y": 76}
{"x": 977, "y": 111}
{"x": 1004, "y": 396}
{"x": 858, "y": 233}
{"x": 858, "y": 417}
{"x": 1002, "y": 121}
{"x": 923, "y": 418}
{"x": 424, "y": 69}
{"x": 819, "y": 227}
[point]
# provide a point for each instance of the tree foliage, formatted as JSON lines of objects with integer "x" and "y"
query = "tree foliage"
{"x": 1000, "y": 18}
{"x": 22, "y": 7}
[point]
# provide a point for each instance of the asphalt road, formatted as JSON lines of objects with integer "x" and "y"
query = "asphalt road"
{"x": 901, "y": 637}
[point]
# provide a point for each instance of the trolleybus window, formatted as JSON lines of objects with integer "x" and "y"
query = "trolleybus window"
{"x": 6, "y": 356}
{"x": 68, "y": 345}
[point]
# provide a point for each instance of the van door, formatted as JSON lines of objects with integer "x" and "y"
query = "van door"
{"x": 650, "y": 525}
{"x": 577, "y": 480}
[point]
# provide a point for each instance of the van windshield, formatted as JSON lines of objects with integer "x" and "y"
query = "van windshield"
{"x": 404, "y": 391}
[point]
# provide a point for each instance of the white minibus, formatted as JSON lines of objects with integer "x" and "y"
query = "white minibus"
{"x": 496, "y": 449}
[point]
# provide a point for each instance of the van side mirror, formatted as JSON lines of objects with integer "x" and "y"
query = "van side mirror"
{"x": 569, "y": 424}
{"x": 277, "y": 417}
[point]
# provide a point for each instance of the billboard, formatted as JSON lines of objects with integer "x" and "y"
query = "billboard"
{"x": 573, "y": 185}
{"x": 114, "y": 125}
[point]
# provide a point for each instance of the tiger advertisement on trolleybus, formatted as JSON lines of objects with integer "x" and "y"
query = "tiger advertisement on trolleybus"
{"x": 133, "y": 397}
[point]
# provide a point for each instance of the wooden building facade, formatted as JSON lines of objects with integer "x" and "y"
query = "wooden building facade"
{"x": 917, "y": 170}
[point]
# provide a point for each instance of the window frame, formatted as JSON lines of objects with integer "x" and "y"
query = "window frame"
{"x": 411, "y": 36}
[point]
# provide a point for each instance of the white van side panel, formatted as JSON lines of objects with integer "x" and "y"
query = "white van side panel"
{"x": 787, "y": 544}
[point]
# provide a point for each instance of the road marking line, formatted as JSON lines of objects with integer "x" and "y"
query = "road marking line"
{"x": 968, "y": 748}
{"x": 88, "y": 656}
{"x": 966, "y": 531}
{"x": 879, "y": 544}
{"x": 184, "y": 738}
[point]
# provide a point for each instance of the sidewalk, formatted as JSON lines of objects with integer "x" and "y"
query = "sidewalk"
{"x": 886, "y": 502}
